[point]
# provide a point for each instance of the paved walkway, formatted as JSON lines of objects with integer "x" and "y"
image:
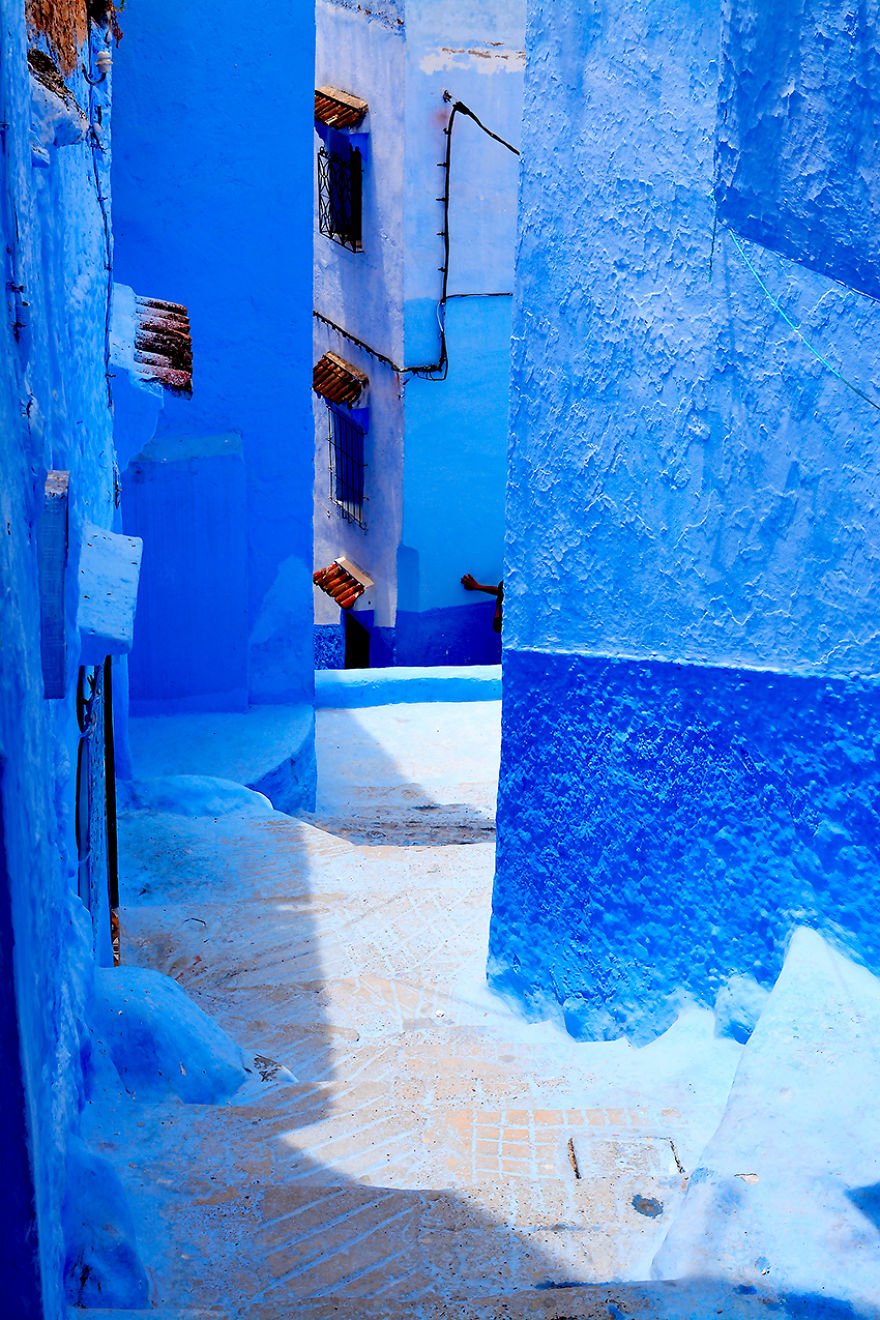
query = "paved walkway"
{"x": 406, "y": 1144}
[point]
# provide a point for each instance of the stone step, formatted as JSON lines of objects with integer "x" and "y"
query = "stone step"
{"x": 685, "y": 1300}
{"x": 267, "y": 748}
{"x": 430, "y": 825}
{"x": 353, "y": 688}
{"x": 350, "y": 1243}
{"x": 788, "y": 1189}
{"x": 175, "y": 1312}
{"x": 627, "y": 1301}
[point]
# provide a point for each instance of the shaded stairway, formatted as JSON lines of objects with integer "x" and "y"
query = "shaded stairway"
{"x": 434, "y": 1156}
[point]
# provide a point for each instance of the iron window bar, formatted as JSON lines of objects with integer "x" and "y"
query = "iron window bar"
{"x": 346, "y": 440}
{"x": 340, "y": 196}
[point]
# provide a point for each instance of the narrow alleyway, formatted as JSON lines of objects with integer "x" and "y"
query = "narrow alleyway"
{"x": 405, "y": 1144}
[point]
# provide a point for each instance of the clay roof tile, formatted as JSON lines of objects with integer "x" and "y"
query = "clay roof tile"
{"x": 163, "y": 344}
{"x": 338, "y": 109}
{"x": 338, "y": 381}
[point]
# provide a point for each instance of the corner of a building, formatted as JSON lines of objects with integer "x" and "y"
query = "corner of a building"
{"x": 690, "y": 669}
{"x": 213, "y": 168}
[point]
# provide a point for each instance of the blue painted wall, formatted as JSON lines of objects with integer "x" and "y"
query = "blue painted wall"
{"x": 693, "y": 516}
{"x": 54, "y": 413}
{"x": 436, "y": 449}
{"x": 193, "y": 495}
{"x": 797, "y": 155}
{"x": 454, "y": 477}
{"x": 213, "y": 208}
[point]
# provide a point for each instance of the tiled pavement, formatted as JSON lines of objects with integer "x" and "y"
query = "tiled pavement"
{"x": 433, "y": 1149}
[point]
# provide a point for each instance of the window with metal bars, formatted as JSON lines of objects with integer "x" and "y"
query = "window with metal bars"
{"x": 340, "y": 195}
{"x": 347, "y": 466}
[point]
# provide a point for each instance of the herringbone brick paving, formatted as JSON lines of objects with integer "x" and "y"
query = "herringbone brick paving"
{"x": 430, "y": 1148}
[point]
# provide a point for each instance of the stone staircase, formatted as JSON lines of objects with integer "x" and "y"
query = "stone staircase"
{"x": 788, "y": 1189}
{"x": 630, "y": 1301}
{"x": 432, "y": 1156}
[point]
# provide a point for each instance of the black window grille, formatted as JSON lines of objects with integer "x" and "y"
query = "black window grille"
{"x": 347, "y": 465}
{"x": 340, "y": 193}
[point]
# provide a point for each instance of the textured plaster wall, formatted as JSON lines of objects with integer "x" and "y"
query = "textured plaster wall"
{"x": 363, "y": 291}
{"x": 798, "y": 158}
{"x": 212, "y": 209}
{"x": 692, "y": 497}
{"x": 53, "y": 414}
{"x": 714, "y": 485}
{"x": 674, "y": 823}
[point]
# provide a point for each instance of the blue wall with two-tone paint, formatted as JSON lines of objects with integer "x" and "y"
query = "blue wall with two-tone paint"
{"x": 437, "y": 441}
{"x": 454, "y": 477}
{"x": 213, "y": 209}
{"x": 455, "y": 440}
{"x": 54, "y": 414}
{"x": 693, "y": 554}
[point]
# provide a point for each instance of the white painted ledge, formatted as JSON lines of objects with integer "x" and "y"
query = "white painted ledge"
{"x": 348, "y": 688}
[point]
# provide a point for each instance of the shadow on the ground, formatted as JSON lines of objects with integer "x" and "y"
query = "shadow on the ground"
{"x": 370, "y": 799}
{"x": 427, "y": 825}
{"x": 236, "y": 1210}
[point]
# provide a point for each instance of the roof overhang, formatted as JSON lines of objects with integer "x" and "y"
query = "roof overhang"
{"x": 163, "y": 344}
{"x": 342, "y": 580}
{"x": 338, "y": 381}
{"x": 338, "y": 109}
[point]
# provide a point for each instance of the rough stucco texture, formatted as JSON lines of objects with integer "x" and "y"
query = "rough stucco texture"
{"x": 53, "y": 414}
{"x": 798, "y": 157}
{"x": 708, "y": 488}
{"x": 702, "y": 815}
{"x": 693, "y": 495}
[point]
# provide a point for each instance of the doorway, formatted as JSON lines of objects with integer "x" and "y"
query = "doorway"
{"x": 357, "y": 643}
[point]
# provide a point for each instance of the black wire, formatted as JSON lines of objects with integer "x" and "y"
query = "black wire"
{"x": 465, "y": 110}
{"x": 436, "y": 370}
{"x": 346, "y": 334}
{"x": 108, "y": 242}
{"x": 439, "y": 370}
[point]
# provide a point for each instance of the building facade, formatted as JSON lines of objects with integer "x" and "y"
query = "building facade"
{"x": 213, "y": 211}
{"x": 691, "y": 695}
{"x": 415, "y": 214}
{"x": 69, "y": 583}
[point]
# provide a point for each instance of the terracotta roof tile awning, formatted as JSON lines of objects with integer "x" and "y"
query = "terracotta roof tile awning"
{"x": 163, "y": 344}
{"x": 338, "y": 109}
{"x": 338, "y": 381}
{"x": 343, "y": 581}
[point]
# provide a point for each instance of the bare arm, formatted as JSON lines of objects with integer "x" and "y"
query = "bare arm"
{"x": 470, "y": 583}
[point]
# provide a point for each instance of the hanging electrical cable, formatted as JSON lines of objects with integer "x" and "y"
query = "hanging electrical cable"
{"x": 103, "y": 62}
{"x": 435, "y": 370}
{"x": 438, "y": 370}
